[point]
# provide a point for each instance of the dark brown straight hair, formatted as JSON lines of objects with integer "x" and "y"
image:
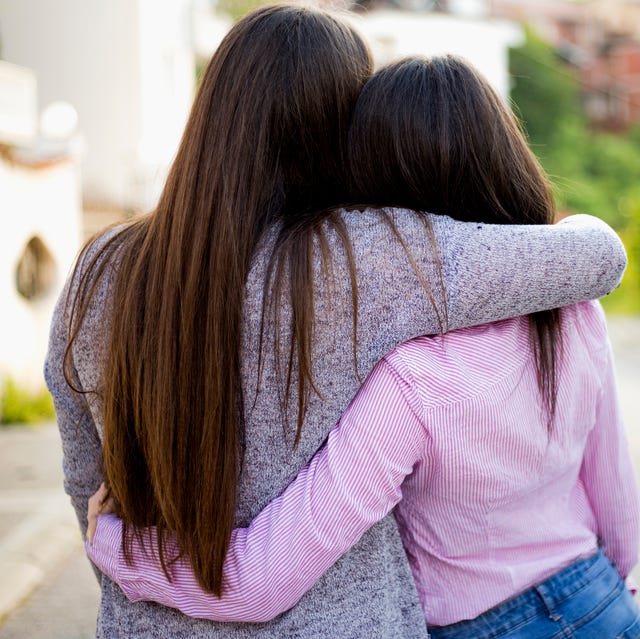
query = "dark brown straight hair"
{"x": 432, "y": 135}
{"x": 264, "y": 146}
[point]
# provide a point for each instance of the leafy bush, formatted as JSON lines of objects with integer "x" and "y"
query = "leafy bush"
{"x": 18, "y": 405}
{"x": 626, "y": 299}
{"x": 237, "y": 9}
{"x": 592, "y": 171}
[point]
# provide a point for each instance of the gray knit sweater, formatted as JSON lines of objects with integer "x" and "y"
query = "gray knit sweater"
{"x": 490, "y": 272}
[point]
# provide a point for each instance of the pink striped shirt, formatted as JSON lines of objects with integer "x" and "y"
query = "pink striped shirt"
{"x": 451, "y": 432}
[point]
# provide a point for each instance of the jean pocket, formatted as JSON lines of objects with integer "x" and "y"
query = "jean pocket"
{"x": 632, "y": 632}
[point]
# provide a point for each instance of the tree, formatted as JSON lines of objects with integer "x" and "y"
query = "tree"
{"x": 592, "y": 171}
{"x": 545, "y": 91}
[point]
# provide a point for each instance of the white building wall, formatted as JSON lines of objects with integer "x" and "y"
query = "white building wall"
{"x": 126, "y": 66}
{"x": 485, "y": 43}
{"x": 43, "y": 203}
{"x": 167, "y": 85}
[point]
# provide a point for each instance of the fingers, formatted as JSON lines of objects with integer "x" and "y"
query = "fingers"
{"x": 99, "y": 503}
{"x": 91, "y": 528}
{"x": 108, "y": 506}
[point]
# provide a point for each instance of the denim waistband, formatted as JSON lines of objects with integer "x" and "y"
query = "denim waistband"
{"x": 542, "y": 597}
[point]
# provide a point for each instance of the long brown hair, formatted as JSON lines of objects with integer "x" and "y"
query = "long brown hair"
{"x": 432, "y": 135}
{"x": 264, "y": 146}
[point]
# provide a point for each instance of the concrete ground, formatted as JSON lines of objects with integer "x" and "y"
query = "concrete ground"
{"x": 48, "y": 590}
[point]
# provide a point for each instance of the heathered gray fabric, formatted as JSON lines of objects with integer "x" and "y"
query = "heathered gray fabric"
{"x": 490, "y": 272}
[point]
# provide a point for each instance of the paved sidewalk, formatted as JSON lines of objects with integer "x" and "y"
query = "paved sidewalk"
{"x": 38, "y": 528}
{"x": 625, "y": 337}
{"x": 41, "y": 556}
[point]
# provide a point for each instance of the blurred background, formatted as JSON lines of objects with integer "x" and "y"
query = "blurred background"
{"x": 93, "y": 99}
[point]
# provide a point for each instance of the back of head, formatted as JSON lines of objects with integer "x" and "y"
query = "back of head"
{"x": 265, "y": 142}
{"x": 432, "y": 135}
{"x": 274, "y": 107}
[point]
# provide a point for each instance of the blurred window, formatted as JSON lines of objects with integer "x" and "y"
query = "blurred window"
{"x": 36, "y": 270}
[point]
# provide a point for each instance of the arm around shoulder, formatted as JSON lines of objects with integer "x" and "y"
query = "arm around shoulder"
{"x": 495, "y": 271}
{"x": 474, "y": 273}
{"x": 349, "y": 485}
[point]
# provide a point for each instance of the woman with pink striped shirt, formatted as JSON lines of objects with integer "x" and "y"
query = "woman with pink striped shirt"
{"x": 500, "y": 446}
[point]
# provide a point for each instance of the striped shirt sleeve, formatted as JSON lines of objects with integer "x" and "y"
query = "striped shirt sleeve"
{"x": 607, "y": 470}
{"x": 349, "y": 485}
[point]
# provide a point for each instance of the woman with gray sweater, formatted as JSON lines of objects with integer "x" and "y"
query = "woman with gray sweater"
{"x": 500, "y": 447}
{"x": 199, "y": 354}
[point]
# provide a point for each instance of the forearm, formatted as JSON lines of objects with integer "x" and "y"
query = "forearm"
{"x": 477, "y": 273}
{"x": 349, "y": 485}
{"x": 612, "y": 490}
{"x": 495, "y": 274}
{"x": 268, "y": 568}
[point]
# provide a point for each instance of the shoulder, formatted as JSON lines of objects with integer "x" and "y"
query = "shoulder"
{"x": 86, "y": 293}
{"x": 588, "y": 319}
{"x": 378, "y": 223}
{"x": 381, "y": 220}
{"x": 586, "y": 323}
{"x": 464, "y": 363}
{"x": 96, "y": 249}
{"x": 89, "y": 255}
{"x": 98, "y": 259}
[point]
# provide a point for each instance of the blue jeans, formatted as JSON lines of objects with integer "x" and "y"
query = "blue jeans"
{"x": 587, "y": 600}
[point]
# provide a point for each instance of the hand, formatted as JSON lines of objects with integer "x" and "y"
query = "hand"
{"x": 99, "y": 504}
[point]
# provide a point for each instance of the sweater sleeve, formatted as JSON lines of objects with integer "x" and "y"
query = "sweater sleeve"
{"x": 479, "y": 273}
{"x": 80, "y": 441}
{"x": 607, "y": 471}
{"x": 349, "y": 485}
{"x": 498, "y": 272}
{"x": 75, "y": 413}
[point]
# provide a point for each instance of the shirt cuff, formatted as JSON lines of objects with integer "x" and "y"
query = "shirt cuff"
{"x": 106, "y": 548}
{"x": 632, "y": 585}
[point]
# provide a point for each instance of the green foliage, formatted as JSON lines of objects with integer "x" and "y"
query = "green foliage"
{"x": 201, "y": 66}
{"x": 592, "y": 171}
{"x": 626, "y": 299}
{"x": 18, "y": 405}
{"x": 546, "y": 95}
{"x": 237, "y": 9}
